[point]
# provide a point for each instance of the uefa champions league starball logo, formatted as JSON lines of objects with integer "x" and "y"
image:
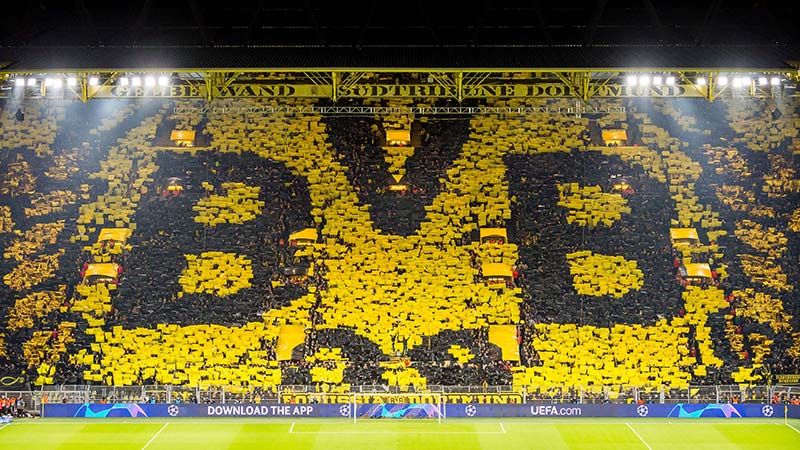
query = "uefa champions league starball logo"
{"x": 344, "y": 410}
{"x": 173, "y": 410}
{"x": 767, "y": 410}
{"x": 470, "y": 410}
{"x": 642, "y": 410}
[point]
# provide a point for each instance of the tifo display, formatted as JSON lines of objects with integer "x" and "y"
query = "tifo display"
{"x": 650, "y": 244}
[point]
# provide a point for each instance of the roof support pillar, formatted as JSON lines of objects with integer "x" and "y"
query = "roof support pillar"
{"x": 712, "y": 82}
{"x": 586, "y": 81}
{"x": 83, "y": 83}
{"x": 460, "y": 86}
{"x": 335, "y": 84}
{"x": 208, "y": 78}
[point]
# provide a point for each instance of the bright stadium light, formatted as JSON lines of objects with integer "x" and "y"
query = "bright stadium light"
{"x": 136, "y": 81}
{"x": 723, "y": 81}
{"x": 123, "y": 81}
{"x": 670, "y": 81}
{"x": 31, "y": 82}
{"x": 48, "y": 82}
{"x": 93, "y": 81}
{"x": 149, "y": 81}
{"x": 644, "y": 80}
{"x": 745, "y": 81}
{"x": 19, "y": 82}
{"x": 631, "y": 80}
{"x": 701, "y": 81}
{"x": 72, "y": 81}
{"x": 163, "y": 81}
{"x": 57, "y": 83}
{"x": 774, "y": 81}
{"x": 762, "y": 81}
{"x": 737, "y": 82}
{"x": 657, "y": 80}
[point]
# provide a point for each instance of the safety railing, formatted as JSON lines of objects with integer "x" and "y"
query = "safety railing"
{"x": 32, "y": 400}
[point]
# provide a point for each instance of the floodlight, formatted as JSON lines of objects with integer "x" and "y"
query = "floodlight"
{"x": 57, "y": 83}
{"x": 746, "y": 82}
{"x": 737, "y": 82}
{"x": 644, "y": 80}
{"x": 163, "y": 81}
{"x": 123, "y": 81}
{"x": 670, "y": 81}
{"x": 48, "y": 82}
{"x": 631, "y": 80}
{"x": 149, "y": 81}
{"x": 93, "y": 81}
{"x": 723, "y": 81}
{"x": 31, "y": 82}
{"x": 657, "y": 80}
{"x": 701, "y": 81}
{"x": 762, "y": 81}
{"x": 72, "y": 81}
{"x": 19, "y": 82}
{"x": 775, "y": 81}
{"x": 136, "y": 81}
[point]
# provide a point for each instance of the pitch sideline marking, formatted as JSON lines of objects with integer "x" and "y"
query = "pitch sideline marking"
{"x": 291, "y": 431}
{"x": 395, "y": 432}
{"x": 260, "y": 421}
{"x": 640, "y": 437}
{"x": 155, "y": 436}
{"x": 5, "y": 425}
{"x": 787, "y": 424}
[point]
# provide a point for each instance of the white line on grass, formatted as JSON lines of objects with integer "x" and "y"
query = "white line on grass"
{"x": 5, "y": 425}
{"x": 640, "y": 438}
{"x": 155, "y": 436}
{"x": 790, "y": 426}
{"x": 395, "y": 432}
{"x": 704, "y": 421}
{"x": 272, "y": 421}
{"x": 292, "y": 431}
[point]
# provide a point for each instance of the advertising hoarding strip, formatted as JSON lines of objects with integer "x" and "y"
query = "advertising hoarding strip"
{"x": 345, "y": 410}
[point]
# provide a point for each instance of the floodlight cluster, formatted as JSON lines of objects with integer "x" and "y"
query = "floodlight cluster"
{"x": 93, "y": 80}
{"x": 52, "y": 82}
{"x": 147, "y": 81}
{"x": 722, "y": 80}
{"x": 647, "y": 80}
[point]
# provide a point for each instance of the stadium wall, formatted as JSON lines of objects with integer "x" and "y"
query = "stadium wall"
{"x": 677, "y": 410}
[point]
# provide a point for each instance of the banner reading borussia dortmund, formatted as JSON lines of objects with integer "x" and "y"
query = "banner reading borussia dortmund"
{"x": 508, "y": 398}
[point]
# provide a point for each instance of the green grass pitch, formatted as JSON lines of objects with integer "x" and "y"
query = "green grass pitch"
{"x": 461, "y": 434}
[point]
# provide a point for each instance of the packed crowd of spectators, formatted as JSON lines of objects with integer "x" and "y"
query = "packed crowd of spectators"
{"x": 754, "y": 190}
{"x": 358, "y": 141}
{"x": 148, "y": 293}
{"x": 545, "y": 238}
{"x": 166, "y": 231}
{"x": 76, "y": 149}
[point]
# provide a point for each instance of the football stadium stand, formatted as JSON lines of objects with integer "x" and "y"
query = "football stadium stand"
{"x": 518, "y": 250}
{"x": 281, "y": 211}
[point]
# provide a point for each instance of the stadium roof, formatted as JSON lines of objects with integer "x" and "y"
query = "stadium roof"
{"x": 481, "y": 34}
{"x": 257, "y": 57}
